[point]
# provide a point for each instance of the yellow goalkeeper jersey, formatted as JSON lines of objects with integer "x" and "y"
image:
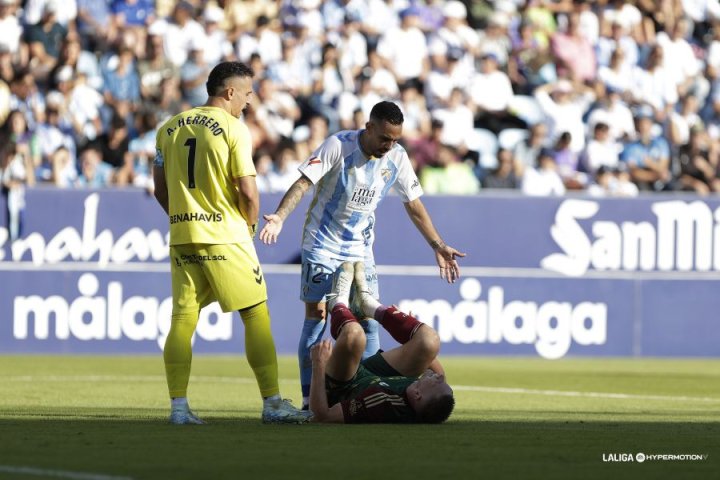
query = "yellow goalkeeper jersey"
{"x": 202, "y": 150}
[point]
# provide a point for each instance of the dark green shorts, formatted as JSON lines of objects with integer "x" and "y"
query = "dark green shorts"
{"x": 369, "y": 371}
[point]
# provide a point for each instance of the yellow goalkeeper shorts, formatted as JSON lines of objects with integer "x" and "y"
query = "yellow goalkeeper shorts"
{"x": 202, "y": 274}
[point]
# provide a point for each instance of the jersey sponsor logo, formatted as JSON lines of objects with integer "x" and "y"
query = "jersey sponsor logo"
{"x": 314, "y": 161}
{"x": 196, "y": 217}
{"x": 199, "y": 259}
{"x": 362, "y": 198}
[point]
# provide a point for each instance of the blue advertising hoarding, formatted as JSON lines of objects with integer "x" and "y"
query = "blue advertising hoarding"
{"x": 544, "y": 276}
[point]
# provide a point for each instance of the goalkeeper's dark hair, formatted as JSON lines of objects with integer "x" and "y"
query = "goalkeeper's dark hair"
{"x": 387, "y": 112}
{"x": 223, "y": 71}
{"x": 438, "y": 409}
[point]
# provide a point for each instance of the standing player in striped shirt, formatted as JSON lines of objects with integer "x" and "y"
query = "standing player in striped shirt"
{"x": 205, "y": 181}
{"x": 352, "y": 171}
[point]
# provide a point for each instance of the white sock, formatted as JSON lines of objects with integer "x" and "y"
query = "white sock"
{"x": 179, "y": 403}
{"x": 268, "y": 401}
{"x": 369, "y": 305}
{"x": 306, "y": 401}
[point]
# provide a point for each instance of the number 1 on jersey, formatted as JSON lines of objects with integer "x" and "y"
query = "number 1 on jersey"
{"x": 191, "y": 142}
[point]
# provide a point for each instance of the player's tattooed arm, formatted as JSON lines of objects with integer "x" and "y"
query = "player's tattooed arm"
{"x": 293, "y": 196}
{"x": 273, "y": 227}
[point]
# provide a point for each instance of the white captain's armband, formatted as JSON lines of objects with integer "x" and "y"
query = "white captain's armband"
{"x": 159, "y": 160}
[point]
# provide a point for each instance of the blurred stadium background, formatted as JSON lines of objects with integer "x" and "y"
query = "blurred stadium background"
{"x": 570, "y": 148}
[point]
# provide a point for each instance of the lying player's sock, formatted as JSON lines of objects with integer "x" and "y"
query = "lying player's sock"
{"x": 340, "y": 316}
{"x": 372, "y": 333}
{"x": 399, "y": 325}
{"x": 312, "y": 333}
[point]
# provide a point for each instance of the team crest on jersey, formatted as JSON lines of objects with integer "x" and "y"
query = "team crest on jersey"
{"x": 386, "y": 174}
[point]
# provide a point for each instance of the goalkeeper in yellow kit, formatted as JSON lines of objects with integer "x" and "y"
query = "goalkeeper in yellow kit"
{"x": 205, "y": 182}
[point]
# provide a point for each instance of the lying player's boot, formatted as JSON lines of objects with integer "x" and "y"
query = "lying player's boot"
{"x": 363, "y": 297}
{"x": 342, "y": 282}
{"x": 282, "y": 411}
{"x": 184, "y": 416}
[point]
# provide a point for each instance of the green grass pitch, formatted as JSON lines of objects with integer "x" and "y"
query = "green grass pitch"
{"x": 103, "y": 418}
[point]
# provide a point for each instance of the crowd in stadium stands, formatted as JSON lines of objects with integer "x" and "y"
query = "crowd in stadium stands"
{"x": 610, "y": 97}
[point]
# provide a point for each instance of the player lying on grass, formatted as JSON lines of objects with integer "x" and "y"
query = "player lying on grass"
{"x": 403, "y": 385}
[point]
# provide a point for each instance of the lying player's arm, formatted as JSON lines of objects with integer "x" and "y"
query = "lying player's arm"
{"x": 248, "y": 200}
{"x": 161, "y": 192}
{"x": 444, "y": 254}
{"x": 290, "y": 200}
{"x": 320, "y": 354}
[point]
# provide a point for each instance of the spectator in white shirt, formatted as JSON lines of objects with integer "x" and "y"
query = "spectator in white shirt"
{"x": 565, "y": 105}
{"x": 601, "y": 150}
{"x": 180, "y": 32}
{"x": 404, "y": 49}
{"x": 491, "y": 93}
{"x": 655, "y": 85}
{"x": 457, "y": 121}
{"x": 544, "y": 179}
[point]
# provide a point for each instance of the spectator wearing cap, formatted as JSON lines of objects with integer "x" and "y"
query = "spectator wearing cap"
{"x": 574, "y": 55}
{"x": 194, "y": 72}
{"x": 543, "y": 180}
{"x": 222, "y": 48}
{"x": 404, "y": 49}
{"x": 564, "y": 104}
{"x": 10, "y": 28}
{"x": 155, "y": 67}
{"x": 698, "y": 163}
{"x": 180, "y": 31}
{"x": 45, "y": 39}
{"x": 648, "y": 157}
{"x": 456, "y": 35}
{"x": 491, "y": 93}
{"x": 449, "y": 176}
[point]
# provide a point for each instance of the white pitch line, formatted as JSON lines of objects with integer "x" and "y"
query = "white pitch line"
{"x": 464, "y": 388}
{"x": 570, "y": 393}
{"x": 59, "y": 473}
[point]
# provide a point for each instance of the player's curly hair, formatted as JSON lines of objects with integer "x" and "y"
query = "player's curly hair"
{"x": 223, "y": 71}
{"x": 438, "y": 409}
{"x": 387, "y": 112}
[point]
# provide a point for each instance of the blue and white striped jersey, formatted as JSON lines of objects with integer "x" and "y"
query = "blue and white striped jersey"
{"x": 348, "y": 189}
